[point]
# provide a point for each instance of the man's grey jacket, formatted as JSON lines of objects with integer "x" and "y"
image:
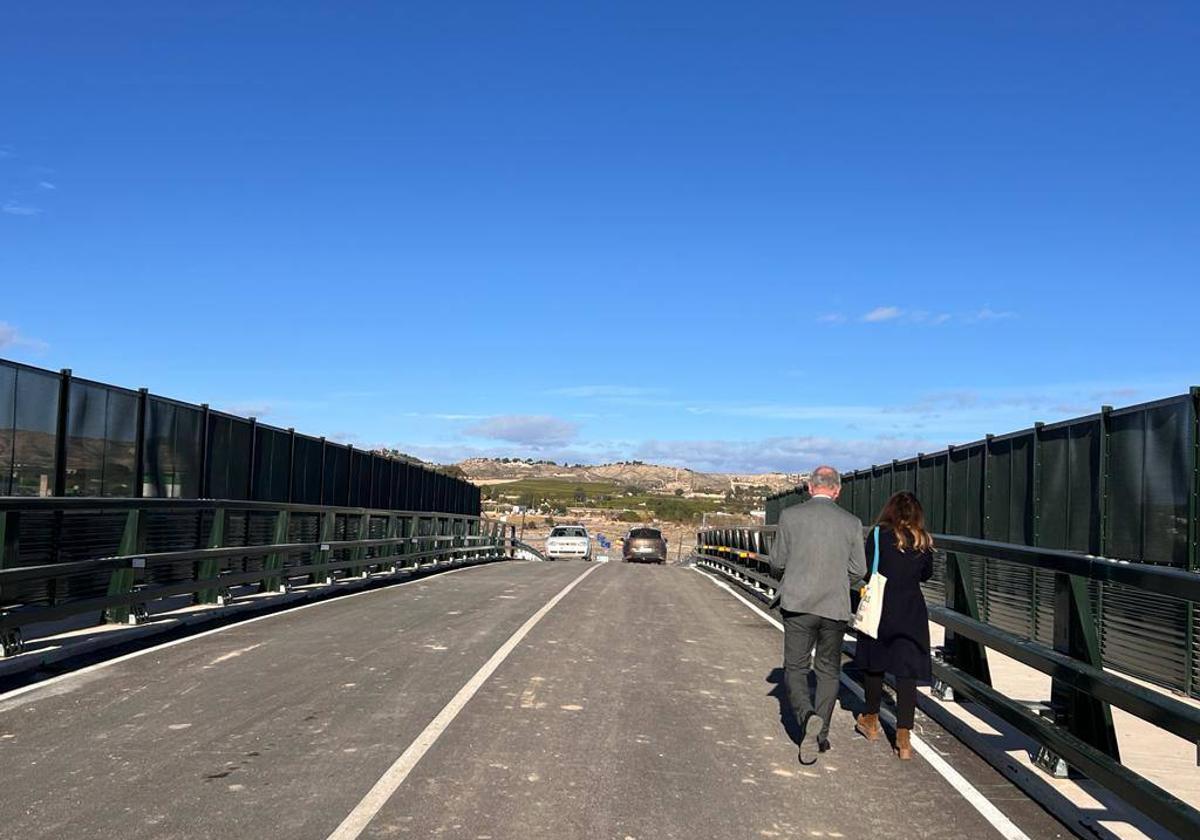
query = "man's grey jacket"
{"x": 819, "y": 548}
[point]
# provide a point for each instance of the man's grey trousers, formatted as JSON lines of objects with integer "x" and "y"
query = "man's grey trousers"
{"x": 801, "y": 633}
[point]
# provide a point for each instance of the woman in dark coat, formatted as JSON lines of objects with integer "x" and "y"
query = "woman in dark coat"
{"x": 902, "y": 645}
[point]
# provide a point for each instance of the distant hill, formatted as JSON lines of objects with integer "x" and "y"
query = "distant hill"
{"x": 652, "y": 477}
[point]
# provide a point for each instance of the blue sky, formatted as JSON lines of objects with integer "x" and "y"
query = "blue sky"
{"x": 723, "y": 235}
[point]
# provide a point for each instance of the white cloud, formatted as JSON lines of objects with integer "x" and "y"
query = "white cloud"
{"x": 989, "y": 314}
{"x": 46, "y": 185}
{"x": 778, "y": 454}
{"x": 14, "y": 208}
{"x": 925, "y": 317}
{"x": 603, "y": 391}
{"x": 247, "y": 409}
{"x": 538, "y": 431}
{"x": 445, "y": 416}
{"x": 10, "y": 336}
{"x": 934, "y": 319}
{"x": 882, "y": 313}
{"x": 584, "y": 453}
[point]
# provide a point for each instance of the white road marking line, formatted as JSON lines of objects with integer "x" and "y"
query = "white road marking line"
{"x": 233, "y": 654}
{"x": 1007, "y": 828}
{"x": 371, "y": 804}
{"x": 16, "y": 692}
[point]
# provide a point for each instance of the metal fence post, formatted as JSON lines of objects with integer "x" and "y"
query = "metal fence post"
{"x": 965, "y": 654}
{"x": 209, "y": 567}
{"x": 253, "y": 457}
{"x": 291, "y": 462}
{"x": 274, "y": 560}
{"x": 946, "y": 491}
{"x": 205, "y": 453}
{"x": 1035, "y": 493}
{"x": 359, "y": 553}
{"x": 121, "y": 581}
{"x": 325, "y": 536}
{"x": 10, "y": 536}
{"x": 321, "y": 491}
{"x": 393, "y": 532}
{"x": 985, "y": 503}
{"x": 60, "y": 434}
{"x": 1189, "y": 677}
{"x": 408, "y": 530}
{"x": 1103, "y": 479}
{"x": 139, "y": 444}
{"x": 1075, "y": 635}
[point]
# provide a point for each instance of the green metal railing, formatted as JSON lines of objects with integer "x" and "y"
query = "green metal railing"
{"x": 1121, "y": 483}
{"x": 1079, "y": 729}
{"x": 113, "y": 558}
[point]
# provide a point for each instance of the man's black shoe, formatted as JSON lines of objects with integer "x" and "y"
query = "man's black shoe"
{"x": 823, "y": 745}
{"x": 810, "y": 729}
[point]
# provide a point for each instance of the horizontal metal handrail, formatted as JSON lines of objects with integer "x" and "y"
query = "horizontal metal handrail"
{"x": 22, "y": 616}
{"x": 36, "y": 504}
{"x": 766, "y": 582}
{"x": 1149, "y": 705}
{"x": 55, "y": 570}
{"x": 1161, "y": 580}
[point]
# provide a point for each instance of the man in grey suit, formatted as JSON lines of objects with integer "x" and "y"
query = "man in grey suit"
{"x": 819, "y": 548}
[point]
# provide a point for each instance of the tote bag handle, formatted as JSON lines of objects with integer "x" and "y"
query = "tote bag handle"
{"x": 875, "y": 559}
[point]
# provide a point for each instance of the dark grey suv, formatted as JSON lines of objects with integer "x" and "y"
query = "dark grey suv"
{"x": 645, "y": 545}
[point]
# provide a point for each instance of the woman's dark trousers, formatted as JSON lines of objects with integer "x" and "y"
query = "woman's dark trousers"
{"x": 801, "y": 633}
{"x": 906, "y": 697}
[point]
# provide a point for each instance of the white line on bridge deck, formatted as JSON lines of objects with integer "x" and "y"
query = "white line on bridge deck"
{"x": 370, "y": 805}
{"x": 990, "y": 812}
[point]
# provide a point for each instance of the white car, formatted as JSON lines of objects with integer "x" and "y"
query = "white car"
{"x": 568, "y": 542}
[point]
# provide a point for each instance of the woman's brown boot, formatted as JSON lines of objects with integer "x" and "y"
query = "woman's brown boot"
{"x": 904, "y": 744}
{"x": 867, "y": 726}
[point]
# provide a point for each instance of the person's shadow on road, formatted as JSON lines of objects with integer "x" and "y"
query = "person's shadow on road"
{"x": 786, "y": 716}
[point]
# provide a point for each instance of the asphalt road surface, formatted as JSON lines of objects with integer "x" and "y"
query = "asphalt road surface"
{"x": 645, "y": 704}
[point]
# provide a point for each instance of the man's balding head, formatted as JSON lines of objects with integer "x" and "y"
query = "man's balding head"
{"x": 825, "y": 481}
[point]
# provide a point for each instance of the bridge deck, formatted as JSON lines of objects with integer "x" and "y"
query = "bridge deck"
{"x": 645, "y": 705}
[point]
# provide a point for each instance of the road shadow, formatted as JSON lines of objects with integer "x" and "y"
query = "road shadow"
{"x": 787, "y": 718}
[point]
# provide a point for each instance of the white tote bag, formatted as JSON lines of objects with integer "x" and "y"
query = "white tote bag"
{"x": 870, "y": 608}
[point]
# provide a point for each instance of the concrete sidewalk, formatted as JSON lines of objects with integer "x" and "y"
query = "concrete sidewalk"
{"x": 1160, "y": 756}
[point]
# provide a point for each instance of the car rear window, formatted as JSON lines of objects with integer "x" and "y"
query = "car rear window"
{"x": 645, "y": 534}
{"x": 568, "y": 532}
